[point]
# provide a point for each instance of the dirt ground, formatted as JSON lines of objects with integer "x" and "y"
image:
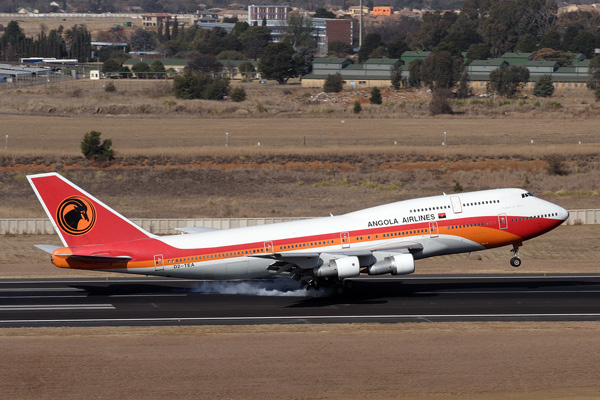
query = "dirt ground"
{"x": 486, "y": 361}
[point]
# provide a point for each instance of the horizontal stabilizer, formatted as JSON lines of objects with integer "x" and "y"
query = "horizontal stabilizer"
{"x": 98, "y": 259}
{"x": 48, "y": 248}
{"x": 195, "y": 229}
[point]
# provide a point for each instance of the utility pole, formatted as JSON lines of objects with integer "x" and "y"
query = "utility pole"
{"x": 360, "y": 27}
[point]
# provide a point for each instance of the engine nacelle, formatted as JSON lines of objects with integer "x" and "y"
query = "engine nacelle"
{"x": 400, "y": 264}
{"x": 346, "y": 267}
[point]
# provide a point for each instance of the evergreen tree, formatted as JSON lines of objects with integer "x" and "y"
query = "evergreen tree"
{"x": 357, "y": 107}
{"x": 92, "y": 149}
{"x": 175, "y": 30}
{"x": 507, "y": 81}
{"x": 375, "y": 96}
{"x": 396, "y": 77}
{"x": 414, "y": 73}
{"x": 544, "y": 86}
{"x": 334, "y": 83}
{"x": 464, "y": 90}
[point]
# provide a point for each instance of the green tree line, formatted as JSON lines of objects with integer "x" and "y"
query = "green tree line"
{"x": 58, "y": 43}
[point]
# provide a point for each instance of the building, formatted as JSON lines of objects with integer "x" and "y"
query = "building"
{"x": 155, "y": 19}
{"x": 325, "y": 30}
{"x": 409, "y": 56}
{"x": 375, "y": 72}
{"x": 382, "y": 11}
{"x": 355, "y": 10}
{"x": 273, "y": 15}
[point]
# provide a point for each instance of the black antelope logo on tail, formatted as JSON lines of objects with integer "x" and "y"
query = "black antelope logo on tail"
{"x": 76, "y": 215}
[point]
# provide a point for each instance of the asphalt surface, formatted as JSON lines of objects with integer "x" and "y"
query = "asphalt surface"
{"x": 158, "y": 302}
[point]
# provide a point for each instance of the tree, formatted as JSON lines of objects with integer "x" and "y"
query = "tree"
{"x": 527, "y": 43}
{"x": 157, "y": 66}
{"x": 357, "y": 107}
{"x": 594, "y": 76}
{"x": 334, "y": 83}
{"x": 544, "y": 86}
{"x": 506, "y": 81}
{"x": 551, "y": 39}
{"x": 92, "y": 149}
{"x": 246, "y": 68}
{"x": 441, "y": 70}
{"x": 142, "y": 40}
{"x": 139, "y": 69}
{"x": 370, "y": 43}
{"x": 585, "y": 43}
{"x": 339, "y": 49}
{"x": 278, "y": 63}
{"x": 480, "y": 51}
{"x": 375, "y": 96}
{"x": 414, "y": 73}
{"x": 439, "y": 102}
{"x": 397, "y": 48}
{"x": 323, "y": 13}
{"x": 299, "y": 31}
{"x": 396, "y": 76}
{"x": 546, "y": 54}
{"x": 464, "y": 90}
{"x": 238, "y": 94}
{"x": 206, "y": 63}
{"x": 255, "y": 40}
{"x": 190, "y": 85}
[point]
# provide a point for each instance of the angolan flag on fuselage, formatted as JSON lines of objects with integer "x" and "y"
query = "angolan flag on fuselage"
{"x": 441, "y": 215}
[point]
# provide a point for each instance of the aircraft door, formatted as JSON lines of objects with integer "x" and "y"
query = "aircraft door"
{"x": 433, "y": 229}
{"x": 158, "y": 262}
{"x": 268, "y": 247}
{"x": 456, "y": 204}
{"x": 345, "y": 238}
{"x": 502, "y": 221}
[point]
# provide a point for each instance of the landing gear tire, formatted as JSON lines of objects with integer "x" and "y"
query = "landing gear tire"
{"x": 515, "y": 262}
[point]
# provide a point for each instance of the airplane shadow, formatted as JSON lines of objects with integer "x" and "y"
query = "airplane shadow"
{"x": 371, "y": 292}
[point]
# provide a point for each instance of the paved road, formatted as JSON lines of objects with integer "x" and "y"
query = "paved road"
{"x": 150, "y": 301}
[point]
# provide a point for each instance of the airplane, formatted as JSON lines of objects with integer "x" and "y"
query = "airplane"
{"x": 326, "y": 251}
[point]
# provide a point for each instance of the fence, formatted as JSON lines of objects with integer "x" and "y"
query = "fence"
{"x": 163, "y": 226}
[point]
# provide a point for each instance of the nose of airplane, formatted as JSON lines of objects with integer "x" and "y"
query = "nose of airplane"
{"x": 562, "y": 213}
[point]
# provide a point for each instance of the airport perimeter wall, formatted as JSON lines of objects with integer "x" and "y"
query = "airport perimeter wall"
{"x": 165, "y": 226}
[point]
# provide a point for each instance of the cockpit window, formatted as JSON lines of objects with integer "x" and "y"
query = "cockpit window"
{"x": 527, "y": 194}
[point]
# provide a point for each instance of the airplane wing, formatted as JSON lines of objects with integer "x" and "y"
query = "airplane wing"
{"x": 287, "y": 262}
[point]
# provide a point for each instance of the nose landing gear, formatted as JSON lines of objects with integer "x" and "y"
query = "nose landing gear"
{"x": 515, "y": 261}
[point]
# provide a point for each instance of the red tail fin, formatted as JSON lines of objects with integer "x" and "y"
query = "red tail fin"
{"x": 78, "y": 217}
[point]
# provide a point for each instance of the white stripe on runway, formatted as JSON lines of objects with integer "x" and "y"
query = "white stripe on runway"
{"x": 424, "y": 317}
{"x": 54, "y": 307}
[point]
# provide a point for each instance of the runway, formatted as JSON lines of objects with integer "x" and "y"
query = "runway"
{"x": 157, "y": 302}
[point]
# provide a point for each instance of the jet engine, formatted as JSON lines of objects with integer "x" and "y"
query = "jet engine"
{"x": 345, "y": 267}
{"x": 400, "y": 264}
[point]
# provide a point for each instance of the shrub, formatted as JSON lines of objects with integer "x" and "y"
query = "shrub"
{"x": 357, "y": 107}
{"x": 457, "y": 187}
{"x": 191, "y": 85}
{"x": 555, "y": 165}
{"x": 439, "y": 103}
{"x": 110, "y": 87}
{"x": 334, "y": 83}
{"x": 544, "y": 87}
{"x": 238, "y": 94}
{"x": 92, "y": 149}
{"x": 375, "y": 96}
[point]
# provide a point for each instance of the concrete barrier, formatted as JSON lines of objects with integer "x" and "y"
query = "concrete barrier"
{"x": 165, "y": 226}
{"x": 159, "y": 226}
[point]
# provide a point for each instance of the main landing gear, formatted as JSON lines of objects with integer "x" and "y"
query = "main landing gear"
{"x": 515, "y": 261}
